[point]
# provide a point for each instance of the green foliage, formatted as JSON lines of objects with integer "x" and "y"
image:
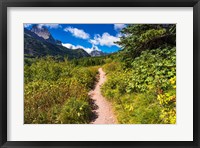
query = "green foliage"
{"x": 89, "y": 61}
{"x": 75, "y": 111}
{"x": 144, "y": 93}
{"x": 167, "y": 100}
{"x": 57, "y": 92}
{"x": 153, "y": 69}
{"x": 136, "y": 108}
{"x": 141, "y": 37}
{"x": 112, "y": 66}
{"x": 85, "y": 76}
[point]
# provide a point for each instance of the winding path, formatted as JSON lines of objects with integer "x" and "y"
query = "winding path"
{"x": 103, "y": 111}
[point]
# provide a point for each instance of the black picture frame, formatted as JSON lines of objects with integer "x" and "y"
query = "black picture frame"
{"x": 99, "y": 3}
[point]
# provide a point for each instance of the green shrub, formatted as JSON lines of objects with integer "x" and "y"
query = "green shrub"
{"x": 54, "y": 91}
{"x": 146, "y": 92}
{"x": 75, "y": 111}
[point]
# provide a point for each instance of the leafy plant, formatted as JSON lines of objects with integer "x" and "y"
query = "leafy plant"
{"x": 146, "y": 92}
{"x": 57, "y": 92}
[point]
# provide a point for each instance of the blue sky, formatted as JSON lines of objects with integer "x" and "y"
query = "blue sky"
{"x": 86, "y": 36}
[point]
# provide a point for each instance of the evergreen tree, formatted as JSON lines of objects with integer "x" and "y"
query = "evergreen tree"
{"x": 140, "y": 37}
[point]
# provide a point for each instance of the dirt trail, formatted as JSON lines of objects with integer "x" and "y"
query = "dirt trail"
{"x": 103, "y": 111}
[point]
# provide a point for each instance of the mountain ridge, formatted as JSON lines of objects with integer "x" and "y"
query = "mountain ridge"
{"x": 95, "y": 53}
{"x": 38, "y": 46}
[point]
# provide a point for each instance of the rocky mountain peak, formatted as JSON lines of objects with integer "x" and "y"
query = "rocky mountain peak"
{"x": 41, "y": 31}
{"x": 95, "y": 53}
{"x": 44, "y": 33}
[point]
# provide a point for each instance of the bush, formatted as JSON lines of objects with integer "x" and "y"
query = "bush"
{"x": 146, "y": 92}
{"x": 57, "y": 92}
{"x": 75, "y": 111}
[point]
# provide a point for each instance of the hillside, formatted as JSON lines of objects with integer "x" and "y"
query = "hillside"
{"x": 37, "y": 46}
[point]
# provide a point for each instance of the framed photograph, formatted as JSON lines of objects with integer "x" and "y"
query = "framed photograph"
{"x": 99, "y": 73}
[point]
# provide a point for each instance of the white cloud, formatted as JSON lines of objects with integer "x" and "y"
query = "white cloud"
{"x": 120, "y": 35}
{"x": 68, "y": 45}
{"x": 52, "y": 26}
{"x": 79, "y": 33}
{"x": 105, "y": 40}
{"x": 118, "y": 27}
{"x": 27, "y": 25}
{"x": 88, "y": 50}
